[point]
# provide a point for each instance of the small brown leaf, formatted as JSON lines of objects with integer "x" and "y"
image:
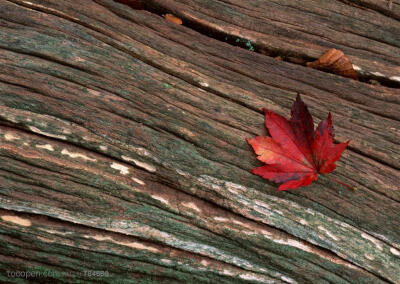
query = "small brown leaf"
{"x": 335, "y": 61}
{"x": 173, "y": 19}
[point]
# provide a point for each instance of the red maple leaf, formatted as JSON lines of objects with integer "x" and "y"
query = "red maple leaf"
{"x": 295, "y": 154}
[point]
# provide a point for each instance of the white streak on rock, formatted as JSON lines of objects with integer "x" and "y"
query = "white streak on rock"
{"x": 235, "y": 188}
{"x": 329, "y": 234}
{"x": 182, "y": 173}
{"x": 288, "y": 279}
{"x": 379, "y": 74}
{"x": 17, "y": 220}
{"x": 376, "y": 242}
{"x": 134, "y": 245}
{"x": 138, "y": 181}
{"x": 145, "y": 166}
{"x": 395, "y": 78}
{"x": 303, "y": 222}
{"x": 77, "y": 155}
{"x": 294, "y": 243}
{"x": 186, "y": 131}
{"x": 137, "y": 245}
{"x": 123, "y": 169}
{"x": 159, "y": 198}
{"x": 10, "y": 136}
{"x": 143, "y": 152}
{"x": 191, "y": 205}
{"x": 239, "y": 223}
{"x": 37, "y": 130}
{"x": 228, "y": 272}
{"x": 54, "y": 232}
{"x": 310, "y": 211}
{"x": 140, "y": 164}
{"x": 221, "y": 219}
{"x": 79, "y": 59}
{"x": 266, "y": 233}
{"x": 46, "y": 240}
{"x": 368, "y": 256}
{"x": 253, "y": 277}
{"x": 394, "y": 251}
{"x": 46, "y": 146}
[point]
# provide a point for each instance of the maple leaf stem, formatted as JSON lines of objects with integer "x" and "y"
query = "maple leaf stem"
{"x": 342, "y": 183}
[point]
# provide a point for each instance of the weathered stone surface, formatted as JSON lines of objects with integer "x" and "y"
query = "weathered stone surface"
{"x": 122, "y": 149}
{"x": 367, "y": 31}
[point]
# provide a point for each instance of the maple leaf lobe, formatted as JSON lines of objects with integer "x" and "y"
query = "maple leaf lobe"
{"x": 302, "y": 118}
{"x": 295, "y": 154}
